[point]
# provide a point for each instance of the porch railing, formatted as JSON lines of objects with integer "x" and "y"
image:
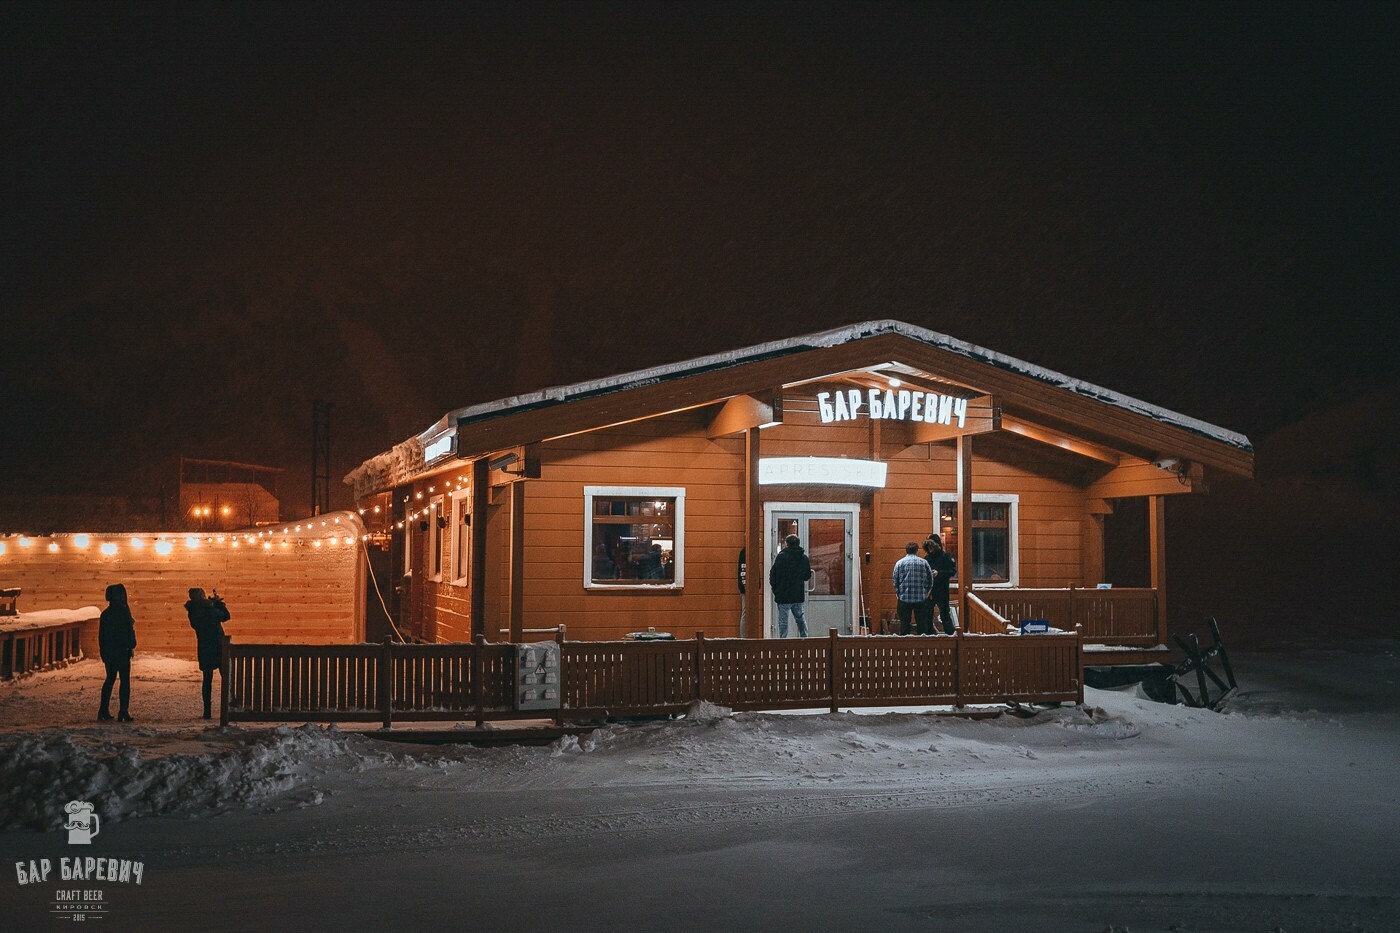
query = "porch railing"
{"x": 982, "y": 619}
{"x": 1112, "y": 617}
{"x": 35, "y": 648}
{"x": 464, "y": 681}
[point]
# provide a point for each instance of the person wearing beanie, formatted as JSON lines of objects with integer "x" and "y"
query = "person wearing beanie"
{"x": 207, "y": 618}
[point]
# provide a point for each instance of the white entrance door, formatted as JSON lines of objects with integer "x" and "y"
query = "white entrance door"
{"x": 828, "y": 535}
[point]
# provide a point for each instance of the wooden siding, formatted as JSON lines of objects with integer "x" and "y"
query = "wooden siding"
{"x": 299, "y": 594}
{"x": 1056, "y": 538}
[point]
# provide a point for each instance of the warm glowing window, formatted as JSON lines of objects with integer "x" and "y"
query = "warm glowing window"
{"x": 633, "y": 536}
{"x": 994, "y": 534}
{"x": 461, "y": 539}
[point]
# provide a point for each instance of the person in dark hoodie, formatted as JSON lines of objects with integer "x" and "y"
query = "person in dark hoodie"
{"x": 116, "y": 642}
{"x": 207, "y": 618}
{"x": 945, "y": 569}
{"x": 788, "y": 578}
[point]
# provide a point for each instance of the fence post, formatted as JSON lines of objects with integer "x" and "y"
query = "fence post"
{"x": 559, "y": 711}
{"x": 1072, "y": 601}
{"x": 478, "y": 646}
{"x": 833, "y": 668}
{"x": 386, "y": 682}
{"x": 699, "y": 666}
{"x": 1079, "y": 654}
{"x": 958, "y": 668}
{"x": 223, "y": 681}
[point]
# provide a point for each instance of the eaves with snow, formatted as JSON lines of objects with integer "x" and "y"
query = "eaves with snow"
{"x": 889, "y": 341}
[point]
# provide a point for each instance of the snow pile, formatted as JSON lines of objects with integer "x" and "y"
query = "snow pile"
{"x": 705, "y": 711}
{"x": 40, "y": 773}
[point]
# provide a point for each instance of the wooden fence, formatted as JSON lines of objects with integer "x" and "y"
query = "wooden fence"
{"x": 37, "y": 647}
{"x": 1113, "y": 617}
{"x": 476, "y": 681}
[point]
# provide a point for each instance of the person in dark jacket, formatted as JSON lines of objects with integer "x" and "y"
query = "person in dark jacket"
{"x": 116, "y": 641}
{"x": 207, "y": 618}
{"x": 944, "y": 568}
{"x": 788, "y": 578}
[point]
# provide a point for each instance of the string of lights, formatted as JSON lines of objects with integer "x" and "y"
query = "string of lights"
{"x": 452, "y": 485}
{"x": 327, "y": 531}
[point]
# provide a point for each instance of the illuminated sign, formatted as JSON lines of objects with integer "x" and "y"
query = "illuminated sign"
{"x": 892, "y": 405}
{"x": 437, "y": 448}
{"x": 835, "y": 471}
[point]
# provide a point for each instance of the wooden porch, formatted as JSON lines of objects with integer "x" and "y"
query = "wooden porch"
{"x": 1116, "y": 617}
{"x": 38, "y": 641}
{"x": 1118, "y": 626}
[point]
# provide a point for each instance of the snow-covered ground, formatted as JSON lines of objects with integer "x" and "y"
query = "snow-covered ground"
{"x": 1279, "y": 813}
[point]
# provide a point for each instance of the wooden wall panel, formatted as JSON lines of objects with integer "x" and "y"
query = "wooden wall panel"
{"x": 674, "y": 451}
{"x": 300, "y": 594}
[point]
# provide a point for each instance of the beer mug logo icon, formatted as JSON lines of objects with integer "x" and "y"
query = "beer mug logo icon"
{"x": 82, "y": 823}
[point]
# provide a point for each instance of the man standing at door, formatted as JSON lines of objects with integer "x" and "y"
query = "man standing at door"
{"x": 913, "y": 581}
{"x": 788, "y": 579}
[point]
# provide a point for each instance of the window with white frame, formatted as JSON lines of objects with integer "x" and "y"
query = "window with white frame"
{"x": 993, "y": 558}
{"x": 461, "y": 570}
{"x": 437, "y": 521}
{"x": 633, "y": 537}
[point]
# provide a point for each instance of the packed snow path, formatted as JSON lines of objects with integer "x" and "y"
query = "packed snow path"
{"x": 1279, "y": 814}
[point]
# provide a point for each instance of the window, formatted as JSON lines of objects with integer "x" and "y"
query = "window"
{"x": 461, "y": 570}
{"x": 633, "y": 536}
{"x": 436, "y": 521}
{"x": 994, "y": 551}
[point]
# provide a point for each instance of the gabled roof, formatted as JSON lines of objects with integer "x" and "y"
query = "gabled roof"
{"x": 482, "y": 427}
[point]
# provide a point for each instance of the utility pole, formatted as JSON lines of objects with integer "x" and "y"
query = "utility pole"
{"x": 320, "y": 456}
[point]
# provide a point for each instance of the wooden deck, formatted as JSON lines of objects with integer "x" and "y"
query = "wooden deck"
{"x": 1120, "y": 617}
{"x": 36, "y": 641}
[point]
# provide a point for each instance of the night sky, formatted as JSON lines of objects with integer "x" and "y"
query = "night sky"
{"x": 214, "y": 214}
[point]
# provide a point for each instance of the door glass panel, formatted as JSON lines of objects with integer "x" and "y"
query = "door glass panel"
{"x": 826, "y": 538}
{"x": 786, "y": 526}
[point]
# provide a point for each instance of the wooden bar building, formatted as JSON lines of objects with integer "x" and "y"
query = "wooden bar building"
{"x": 623, "y": 505}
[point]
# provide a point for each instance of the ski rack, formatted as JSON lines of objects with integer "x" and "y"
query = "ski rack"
{"x": 1198, "y": 661}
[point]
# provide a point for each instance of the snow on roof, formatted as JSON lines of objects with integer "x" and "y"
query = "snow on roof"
{"x": 822, "y": 339}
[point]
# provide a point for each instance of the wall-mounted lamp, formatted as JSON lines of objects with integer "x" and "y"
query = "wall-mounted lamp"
{"x": 503, "y": 461}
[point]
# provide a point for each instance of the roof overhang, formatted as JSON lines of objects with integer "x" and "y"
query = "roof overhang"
{"x": 1077, "y": 415}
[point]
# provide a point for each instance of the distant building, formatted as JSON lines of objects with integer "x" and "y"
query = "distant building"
{"x": 223, "y": 495}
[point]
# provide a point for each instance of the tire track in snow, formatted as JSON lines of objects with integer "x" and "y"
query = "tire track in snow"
{"x": 531, "y": 829}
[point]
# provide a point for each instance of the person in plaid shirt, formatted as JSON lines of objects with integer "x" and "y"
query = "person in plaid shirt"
{"x": 913, "y": 581}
